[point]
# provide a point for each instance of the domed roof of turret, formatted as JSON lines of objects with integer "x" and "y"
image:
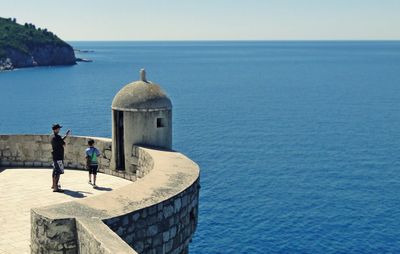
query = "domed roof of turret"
{"x": 141, "y": 95}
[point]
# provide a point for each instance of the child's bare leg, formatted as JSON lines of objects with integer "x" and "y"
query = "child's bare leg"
{"x": 54, "y": 182}
{"x": 94, "y": 179}
{"x": 57, "y": 181}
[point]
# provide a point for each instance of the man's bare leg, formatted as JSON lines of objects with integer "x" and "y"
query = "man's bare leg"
{"x": 56, "y": 179}
{"x": 54, "y": 183}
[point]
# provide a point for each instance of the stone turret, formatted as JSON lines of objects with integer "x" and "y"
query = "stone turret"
{"x": 141, "y": 115}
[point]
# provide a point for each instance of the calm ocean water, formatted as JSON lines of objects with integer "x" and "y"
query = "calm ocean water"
{"x": 298, "y": 142}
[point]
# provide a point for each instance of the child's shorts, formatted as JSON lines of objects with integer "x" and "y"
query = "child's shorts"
{"x": 93, "y": 169}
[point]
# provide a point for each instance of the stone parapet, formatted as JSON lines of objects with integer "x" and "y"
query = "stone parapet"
{"x": 35, "y": 151}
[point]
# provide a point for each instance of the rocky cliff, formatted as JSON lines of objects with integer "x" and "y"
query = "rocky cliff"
{"x": 27, "y": 46}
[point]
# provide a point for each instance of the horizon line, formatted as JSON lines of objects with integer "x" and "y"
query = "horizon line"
{"x": 244, "y": 40}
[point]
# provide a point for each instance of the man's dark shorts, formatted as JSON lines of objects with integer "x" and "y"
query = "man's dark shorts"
{"x": 58, "y": 168}
{"x": 93, "y": 169}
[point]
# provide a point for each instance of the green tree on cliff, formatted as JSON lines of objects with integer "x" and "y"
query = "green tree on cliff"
{"x": 24, "y": 37}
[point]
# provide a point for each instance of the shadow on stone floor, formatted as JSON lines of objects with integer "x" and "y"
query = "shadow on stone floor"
{"x": 76, "y": 194}
{"x": 102, "y": 188}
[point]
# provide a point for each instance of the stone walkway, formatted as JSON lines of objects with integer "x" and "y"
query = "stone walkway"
{"x": 22, "y": 189}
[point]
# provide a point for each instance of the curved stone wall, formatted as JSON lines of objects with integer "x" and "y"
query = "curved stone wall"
{"x": 155, "y": 214}
{"x": 165, "y": 227}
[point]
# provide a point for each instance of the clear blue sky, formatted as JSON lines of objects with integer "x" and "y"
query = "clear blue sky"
{"x": 211, "y": 19}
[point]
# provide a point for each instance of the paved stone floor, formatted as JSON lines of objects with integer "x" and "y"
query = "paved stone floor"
{"x": 22, "y": 189}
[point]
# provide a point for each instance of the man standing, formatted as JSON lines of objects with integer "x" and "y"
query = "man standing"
{"x": 57, "y": 143}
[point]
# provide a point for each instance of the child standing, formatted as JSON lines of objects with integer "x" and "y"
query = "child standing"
{"x": 92, "y": 164}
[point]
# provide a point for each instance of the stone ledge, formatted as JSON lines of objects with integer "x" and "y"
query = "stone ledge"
{"x": 156, "y": 213}
{"x": 96, "y": 237}
{"x": 27, "y": 150}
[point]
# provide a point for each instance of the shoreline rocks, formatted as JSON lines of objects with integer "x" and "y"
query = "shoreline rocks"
{"x": 43, "y": 55}
{"x": 84, "y": 50}
{"x": 85, "y": 60}
{"x": 6, "y": 65}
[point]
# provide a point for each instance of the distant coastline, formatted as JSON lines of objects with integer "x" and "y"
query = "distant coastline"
{"x": 25, "y": 45}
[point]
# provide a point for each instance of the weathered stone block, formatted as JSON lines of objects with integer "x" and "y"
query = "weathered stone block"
{"x": 140, "y": 233}
{"x": 143, "y": 213}
{"x": 177, "y": 205}
{"x": 172, "y": 232}
{"x": 168, "y": 246}
{"x": 152, "y": 220}
{"x": 166, "y": 236}
{"x": 168, "y": 211}
{"x": 171, "y": 221}
{"x": 140, "y": 224}
{"x": 6, "y": 153}
{"x": 40, "y": 231}
{"x": 46, "y": 147}
{"x": 28, "y": 164}
{"x": 120, "y": 231}
{"x": 107, "y": 145}
{"x": 135, "y": 151}
{"x": 134, "y": 160}
{"x": 184, "y": 200}
{"x": 158, "y": 240}
{"x": 130, "y": 229}
{"x": 133, "y": 178}
{"x": 73, "y": 251}
{"x": 70, "y": 245}
{"x": 160, "y": 216}
{"x": 163, "y": 225}
{"x": 148, "y": 243}
{"x": 47, "y": 164}
{"x": 194, "y": 202}
{"x": 129, "y": 238}
{"x": 107, "y": 154}
{"x": 5, "y": 163}
{"x": 152, "y": 230}
{"x": 139, "y": 246}
{"x": 125, "y": 221}
{"x": 14, "y": 164}
{"x": 178, "y": 250}
{"x": 73, "y": 165}
{"x": 183, "y": 213}
{"x": 112, "y": 222}
{"x": 135, "y": 216}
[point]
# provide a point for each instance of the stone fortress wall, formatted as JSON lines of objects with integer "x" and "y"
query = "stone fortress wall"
{"x": 156, "y": 214}
{"x": 35, "y": 151}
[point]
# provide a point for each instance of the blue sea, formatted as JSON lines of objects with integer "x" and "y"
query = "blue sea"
{"x": 298, "y": 142}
